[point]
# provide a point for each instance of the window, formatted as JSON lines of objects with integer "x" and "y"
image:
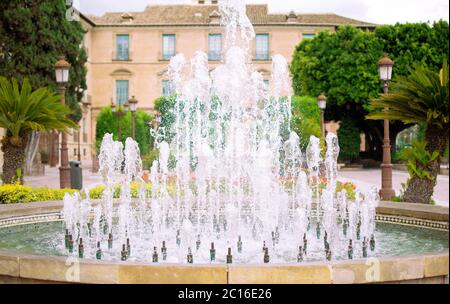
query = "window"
{"x": 168, "y": 46}
{"x": 266, "y": 85}
{"x": 167, "y": 88}
{"x": 308, "y": 36}
{"x": 121, "y": 92}
{"x": 122, "y": 46}
{"x": 262, "y": 47}
{"x": 215, "y": 46}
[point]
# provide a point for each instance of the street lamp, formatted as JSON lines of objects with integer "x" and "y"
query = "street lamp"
{"x": 62, "y": 77}
{"x": 385, "y": 65}
{"x": 322, "y": 103}
{"x": 84, "y": 110}
{"x": 133, "y": 107}
{"x": 119, "y": 112}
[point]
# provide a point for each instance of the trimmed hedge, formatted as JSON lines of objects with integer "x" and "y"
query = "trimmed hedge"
{"x": 96, "y": 192}
{"x": 10, "y": 194}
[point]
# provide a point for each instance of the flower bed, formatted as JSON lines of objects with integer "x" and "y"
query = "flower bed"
{"x": 11, "y": 193}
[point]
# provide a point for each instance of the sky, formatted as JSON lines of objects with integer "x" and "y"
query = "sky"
{"x": 375, "y": 11}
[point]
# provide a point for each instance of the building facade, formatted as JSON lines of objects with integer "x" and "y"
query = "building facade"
{"x": 128, "y": 53}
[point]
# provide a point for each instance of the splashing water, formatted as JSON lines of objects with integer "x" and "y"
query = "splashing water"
{"x": 233, "y": 175}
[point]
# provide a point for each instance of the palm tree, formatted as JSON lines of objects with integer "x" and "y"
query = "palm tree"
{"x": 21, "y": 112}
{"x": 421, "y": 97}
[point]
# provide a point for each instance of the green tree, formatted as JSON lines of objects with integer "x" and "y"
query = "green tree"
{"x": 421, "y": 97}
{"x": 343, "y": 65}
{"x": 165, "y": 106}
{"x": 21, "y": 112}
{"x": 107, "y": 122}
{"x": 305, "y": 118}
{"x": 411, "y": 43}
{"x": 349, "y": 140}
{"x": 33, "y": 34}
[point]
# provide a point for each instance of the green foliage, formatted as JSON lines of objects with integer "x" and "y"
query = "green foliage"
{"x": 417, "y": 158}
{"x": 305, "y": 118}
{"x": 414, "y": 43}
{"x": 165, "y": 106}
{"x": 15, "y": 193}
{"x": 147, "y": 159}
{"x": 396, "y": 199}
{"x": 23, "y": 110}
{"x": 341, "y": 64}
{"x": 108, "y": 122}
{"x": 33, "y": 35}
{"x": 349, "y": 187}
{"x": 97, "y": 192}
{"x": 421, "y": 97}
{"x": 349, "y": 140}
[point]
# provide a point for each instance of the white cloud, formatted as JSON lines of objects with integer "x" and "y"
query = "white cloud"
{"x": 380, "y": 11}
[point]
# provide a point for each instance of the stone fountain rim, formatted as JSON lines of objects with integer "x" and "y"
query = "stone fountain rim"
{"x": 430, "y": 267}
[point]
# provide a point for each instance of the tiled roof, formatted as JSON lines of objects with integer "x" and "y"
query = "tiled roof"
{"x": 200, "y": 15}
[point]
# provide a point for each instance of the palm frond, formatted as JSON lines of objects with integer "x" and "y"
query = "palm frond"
{"x": 422, "y": 96}
{"x": 23, "y": 110}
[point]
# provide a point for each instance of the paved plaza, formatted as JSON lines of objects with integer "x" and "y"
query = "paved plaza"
{"x": 364, "y": 179}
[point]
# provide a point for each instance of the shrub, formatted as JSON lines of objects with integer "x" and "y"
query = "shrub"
{"x": 165, "y": 105}
{"x": 349, "y": 140}
{"x": 15, "y": 193}
{"x": 97, "y": 192}
{"x": 349, "y": 187}
{"x": 107, "y": 123}
{"x": 418, "y": 157}
{"x": 305, "y": 118}
{"x": 147, "y": 160}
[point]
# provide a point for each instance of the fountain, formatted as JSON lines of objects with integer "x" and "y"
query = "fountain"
{"x": 236, "y": 170}
{"x": 231, "y": 191}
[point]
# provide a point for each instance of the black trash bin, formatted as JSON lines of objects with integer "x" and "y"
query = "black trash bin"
{"x": 76, "y": 176}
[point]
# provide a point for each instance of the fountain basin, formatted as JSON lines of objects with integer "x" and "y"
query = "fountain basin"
{"x": 427, "y": 267}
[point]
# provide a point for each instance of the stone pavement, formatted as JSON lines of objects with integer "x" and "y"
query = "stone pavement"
{"x": 51, "y": 178}
{"x": 364, "y": 179}
{"x": 367, "y": 178}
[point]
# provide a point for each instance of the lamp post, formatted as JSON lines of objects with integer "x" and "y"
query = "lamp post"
{"x": 117, "y": 110}
{"x": 84, "y": 109}
{"x": 62, "y": 77}
{"x": 322, "y": 103}
{"x": 385, "y": 65}
{"x": 133, "y": 107}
